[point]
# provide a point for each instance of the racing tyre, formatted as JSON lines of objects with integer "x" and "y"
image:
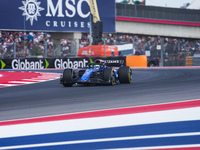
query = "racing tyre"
{"x": 109, "y": 76}
{"x": 67, "y": 77}
{"x": 125, "y": 74}
{"x": 151, "y": 64}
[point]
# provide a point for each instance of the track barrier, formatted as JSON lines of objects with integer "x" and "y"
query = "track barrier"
{"x": 189, "y": 61}
{"x": 193, "y": 61}
{"x": 136, "y": 61}
{"x": 71, "y": 62}
{"x": 58, "y": 63}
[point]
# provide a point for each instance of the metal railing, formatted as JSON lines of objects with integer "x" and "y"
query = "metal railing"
{"x": 159, "y": 13}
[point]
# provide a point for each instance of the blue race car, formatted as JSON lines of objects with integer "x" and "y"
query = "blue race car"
{"x": 96, "y": 73}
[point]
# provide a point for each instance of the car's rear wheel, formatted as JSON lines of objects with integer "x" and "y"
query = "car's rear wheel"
{"x": 151, "y": 64}
{"x": 67, "y": 77}
{"x": 125, "y": 74}
{"x": 109, "y": 76}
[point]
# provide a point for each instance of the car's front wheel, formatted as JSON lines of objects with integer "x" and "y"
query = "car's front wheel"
{"x": 67, "y": 77}
{"x": 109, "y": 76}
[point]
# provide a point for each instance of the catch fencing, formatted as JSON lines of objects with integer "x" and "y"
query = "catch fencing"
{"x": 165, "y": 51}
{"x": 41, "y": 49}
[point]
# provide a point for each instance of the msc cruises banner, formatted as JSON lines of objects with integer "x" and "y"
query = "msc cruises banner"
{"x": 54, "y": 15}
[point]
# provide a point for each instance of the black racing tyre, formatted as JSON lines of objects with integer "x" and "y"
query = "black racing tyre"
{"x": 67, "y": 77}
{"x": 125, "y": 74}
{"x": 151, "y": 64}
{"x": 109, "y": 76}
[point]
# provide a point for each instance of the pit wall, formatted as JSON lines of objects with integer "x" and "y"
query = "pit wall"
{"x": 76, "y": 62}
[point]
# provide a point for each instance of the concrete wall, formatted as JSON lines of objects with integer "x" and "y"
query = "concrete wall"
{"x": 157, "y": 29}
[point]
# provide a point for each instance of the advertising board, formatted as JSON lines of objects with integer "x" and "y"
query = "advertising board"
{"x": 58, "y": 63}
{"x": 54, "y": 15}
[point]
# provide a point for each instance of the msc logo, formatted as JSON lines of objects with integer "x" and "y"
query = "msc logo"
{"x": 31, "y": 10}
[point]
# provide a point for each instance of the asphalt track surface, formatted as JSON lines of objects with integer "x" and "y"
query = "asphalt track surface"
{"x": 148, "y": 86}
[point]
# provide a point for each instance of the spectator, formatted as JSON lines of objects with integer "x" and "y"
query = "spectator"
{"x": 120, "y": 53}
{"x": 112, "y": 53}
{"x": 137, "y": 53}
{"x": 27, "y": 41}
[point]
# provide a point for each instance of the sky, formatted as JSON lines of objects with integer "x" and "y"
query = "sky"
{"x": 168, "y": 3}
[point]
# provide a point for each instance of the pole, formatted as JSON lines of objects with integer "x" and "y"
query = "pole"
{"x": 14, "y": 49}
{"x": 133, "y": 45}
{"x": 104, "y": 43}
{"x": 162, "y": 51}
{"x": 90, "y": 29}
{"x": 45, "y": 51}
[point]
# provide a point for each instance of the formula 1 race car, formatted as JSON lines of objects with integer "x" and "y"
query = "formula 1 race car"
{"x": 96, "y": 73}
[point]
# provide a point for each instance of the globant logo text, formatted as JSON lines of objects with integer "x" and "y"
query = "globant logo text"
{"x": 18, "y": 64}
{"x": 60, "y": 63}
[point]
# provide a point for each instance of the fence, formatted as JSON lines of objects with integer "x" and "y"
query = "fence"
{"x": 169, "y": 52}
{"x": 27, "y": 49}
{"x": 175, "y": 51}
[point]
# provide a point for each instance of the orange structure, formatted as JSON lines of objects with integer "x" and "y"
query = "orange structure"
{"x": 97, "y": 51}
{"x": 136, "y": 61}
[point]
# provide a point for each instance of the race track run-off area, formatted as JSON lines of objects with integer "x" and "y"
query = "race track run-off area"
{"x": 16, "y": 78}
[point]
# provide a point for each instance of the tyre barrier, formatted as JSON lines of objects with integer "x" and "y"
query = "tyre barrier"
{"x": 193, "y": 61}
{"x": 189, "y": 61}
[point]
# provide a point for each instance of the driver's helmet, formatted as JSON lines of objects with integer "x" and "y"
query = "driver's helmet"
{"x": 96, "y": 66}
{"x": 99, "y": 61}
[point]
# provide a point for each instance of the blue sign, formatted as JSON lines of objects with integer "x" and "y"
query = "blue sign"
{"x": 54, "y": 15}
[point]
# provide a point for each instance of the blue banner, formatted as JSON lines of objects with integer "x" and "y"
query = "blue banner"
{"x": 54, "y": 15}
